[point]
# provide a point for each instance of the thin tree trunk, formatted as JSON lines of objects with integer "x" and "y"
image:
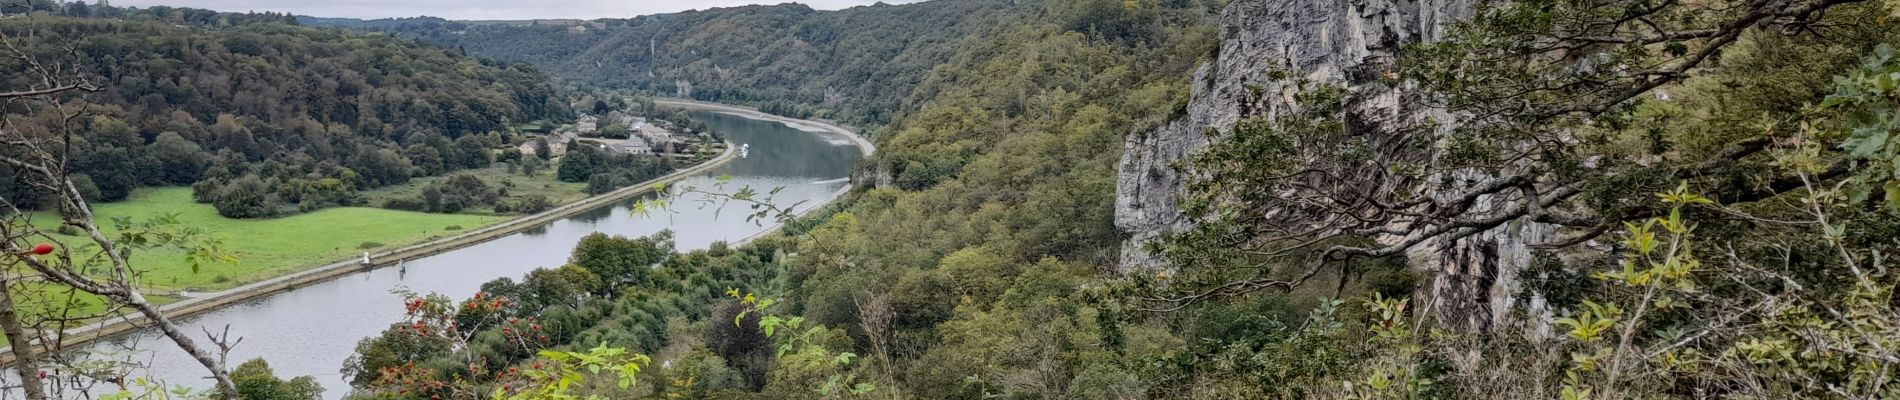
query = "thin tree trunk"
{"x": 25, "y": 362}
{"x": 129, "y": 291}
{"x": 164, "y": 324}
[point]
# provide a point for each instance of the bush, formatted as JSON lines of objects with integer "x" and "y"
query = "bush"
{"x": 533, "y": 204}
{"x": 406, "y": 204}
{"x": 256, "y": 381}
{"x": 246, "y": 197}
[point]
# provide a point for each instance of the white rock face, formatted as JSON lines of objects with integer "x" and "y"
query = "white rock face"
{"x": 1351, "y": 43}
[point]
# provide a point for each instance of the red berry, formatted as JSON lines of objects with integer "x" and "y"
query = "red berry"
{"x": 43, "y": 249}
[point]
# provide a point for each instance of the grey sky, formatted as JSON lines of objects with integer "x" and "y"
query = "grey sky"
{"x": 479, "y": 9}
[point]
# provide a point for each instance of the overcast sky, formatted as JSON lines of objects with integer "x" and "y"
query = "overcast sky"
{"x": 480, "y": 9}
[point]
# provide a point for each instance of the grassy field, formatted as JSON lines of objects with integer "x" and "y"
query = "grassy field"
{"x": 543, "y": 183}
{"x": 267, "y": 248}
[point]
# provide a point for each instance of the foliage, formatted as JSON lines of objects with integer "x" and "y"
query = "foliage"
{"x": 256, "y": 381}
{"x": 620, "y": 260}
{"x": 857, "y": 64}
{"x": 564, "y": 370}
{"x": 321, "y": 114}
{"x": 802, "y": 343}
{"x": 1867, "y": 95}
{"x": 604, "y": 171}
{"x": 616, "y": 292}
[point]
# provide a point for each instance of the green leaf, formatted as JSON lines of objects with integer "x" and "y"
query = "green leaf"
{"x": 1893, "y": 194}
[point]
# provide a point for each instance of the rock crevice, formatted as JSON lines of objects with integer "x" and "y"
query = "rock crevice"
{"x": 1472, "y": 281}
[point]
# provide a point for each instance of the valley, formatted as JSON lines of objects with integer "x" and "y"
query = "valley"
{"x": 950, "y": 199}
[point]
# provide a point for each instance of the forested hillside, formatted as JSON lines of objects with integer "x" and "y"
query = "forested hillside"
{"x": 1004, "y": 178}
{"x": 855, "y": 64}
{"x": 1578, "y": 200}
{"x": 1114, "y": 199}
{"x": 262, "y": 115}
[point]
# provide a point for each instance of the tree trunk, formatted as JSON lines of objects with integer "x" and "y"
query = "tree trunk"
{"x": 25, "y": 362}
{"x": 164, "y": 324}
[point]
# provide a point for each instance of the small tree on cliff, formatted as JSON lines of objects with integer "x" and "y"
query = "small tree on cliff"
{"x": 1539, "y": 100}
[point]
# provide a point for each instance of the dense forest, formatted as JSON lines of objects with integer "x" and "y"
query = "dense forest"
{"x": 262, "y": 116}
{"x": 856, "y": 64}
{"x": 1579, "y": 199}
{"x": 1003, "y": 179}
{"x": 1713, "y": 225}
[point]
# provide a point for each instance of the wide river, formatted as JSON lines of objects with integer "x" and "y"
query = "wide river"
{"x": 311, "y": 330}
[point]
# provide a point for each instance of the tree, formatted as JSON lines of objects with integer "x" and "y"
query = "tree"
{"x": 580, "y": 163}
{"x": 471, "y": 152}
{"x": 181, "y": 161}
{"x": 620, "y": 261}
{"x": 568, "y": 286}
{"x": 1535, "y": 141}
{"x": 246, "y": 197}
{"x": 114, "y": 171}
{"x": 104, "y": 272}
{"x": 615, "y": 131}
{"x": 256, "y": 381}
{"x": 531, "y": 166}
{"x": 542, "y": 150}
{"x": 736, "y": 337}
{"x": 509, "y": 155}
{"x": 307, "y": 102}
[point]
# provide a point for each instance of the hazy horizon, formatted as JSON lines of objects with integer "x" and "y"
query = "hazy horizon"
{"x": 481, "y": 9}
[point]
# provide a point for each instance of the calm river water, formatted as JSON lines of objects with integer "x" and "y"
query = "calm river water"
{"x": 311, "y": 330}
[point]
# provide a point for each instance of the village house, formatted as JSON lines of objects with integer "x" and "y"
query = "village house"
{"x": 633, "y": 145}
{"x": 527, "y": 149}
{"x": 587, "y": 124}
{"x": 660, "y": 138}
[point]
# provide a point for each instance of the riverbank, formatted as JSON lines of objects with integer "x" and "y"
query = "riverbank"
{"x": 212, "y": 301}
{"x": 818, "y": 126}
{"x": 807, "y": 125}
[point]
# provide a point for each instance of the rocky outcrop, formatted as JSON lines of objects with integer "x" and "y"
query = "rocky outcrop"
{"x": 1351, "y": 43}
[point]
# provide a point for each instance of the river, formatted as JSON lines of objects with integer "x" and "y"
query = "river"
{"x": 311, "y": 330}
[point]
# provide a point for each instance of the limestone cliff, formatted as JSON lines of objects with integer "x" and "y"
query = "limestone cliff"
{"x": 1349, "y": 43}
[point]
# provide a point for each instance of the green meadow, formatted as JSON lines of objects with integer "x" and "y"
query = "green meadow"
{"x": 518, "y": 185}
{"x": 264, "y": 248}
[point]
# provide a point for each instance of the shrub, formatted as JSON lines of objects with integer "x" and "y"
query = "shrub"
{"x": 406, "y": 204}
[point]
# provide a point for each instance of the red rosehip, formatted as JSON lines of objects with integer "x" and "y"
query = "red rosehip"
{"x": 43, "y": 249}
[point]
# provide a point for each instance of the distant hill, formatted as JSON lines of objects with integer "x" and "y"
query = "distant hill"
{"x": 353, "y": 23}
{"x": 197, "y": 97}
{"x": 859, "y": 63}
